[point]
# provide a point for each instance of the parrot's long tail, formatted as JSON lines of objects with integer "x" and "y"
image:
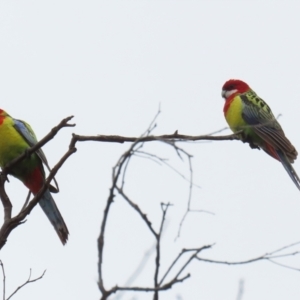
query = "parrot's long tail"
{"x": 289, "y": 168}
{"x": 50, "y": 209}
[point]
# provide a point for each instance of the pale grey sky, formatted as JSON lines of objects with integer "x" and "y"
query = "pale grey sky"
{"x": 110, "y": 63}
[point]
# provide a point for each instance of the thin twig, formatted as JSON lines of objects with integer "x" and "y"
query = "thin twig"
{"x": 4, "y": 278}
{"x": 164, "y": 287}
{"x": 189, "y": 196}
{"x": 163, "y": 161}
{"x": 136, "y": 208}
{"x": 284, "y": 247}
{"x": 241, "y": 289}
{"x": 183, "y": 251}
{"x": 267, "y": 256}
{"x": 29, "y": 280}
{"x": 284, "y": 266}
{"x": 164, "y": 208}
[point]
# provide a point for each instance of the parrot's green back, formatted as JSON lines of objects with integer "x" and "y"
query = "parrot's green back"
{"x": 250, "y": 113}
{"x": 249, "y": 103}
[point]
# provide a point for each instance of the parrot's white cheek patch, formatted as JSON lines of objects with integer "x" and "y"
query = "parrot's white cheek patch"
{"x": 226, "y": 94}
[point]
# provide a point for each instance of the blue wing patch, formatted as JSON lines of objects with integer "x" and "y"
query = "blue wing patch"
{"x": 28, "y": 135}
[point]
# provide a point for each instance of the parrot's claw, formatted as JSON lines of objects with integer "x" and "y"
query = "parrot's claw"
{"x": 253, "y": 146}
{"x": 245, "y": 139}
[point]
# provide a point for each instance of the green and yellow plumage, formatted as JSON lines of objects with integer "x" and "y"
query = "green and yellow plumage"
{"x": 12, "y": 145}
{"x": 10, "y": 137}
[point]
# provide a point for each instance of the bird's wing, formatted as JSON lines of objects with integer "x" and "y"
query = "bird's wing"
{"x": 259, "y": 116}
{"x": 27, "y": 133}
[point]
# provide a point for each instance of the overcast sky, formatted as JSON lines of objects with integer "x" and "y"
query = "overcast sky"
{"x": 111, "y": 64}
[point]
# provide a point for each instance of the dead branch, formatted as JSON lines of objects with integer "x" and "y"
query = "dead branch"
{"x": 164, "y": 208}
{"x": 183, "y": 251}
{"x": 139, "y": 211}
{"x": 118, "y": 185}
{"x": 175, "y": 137}
{"x": 271, "y": 256}
{"x": 4, "y": 278}
{"x": 241, "y": 289}
{"x": 29, "y": 280}
{"x": 116, "y": 173}
{"x": 164, "y": 287}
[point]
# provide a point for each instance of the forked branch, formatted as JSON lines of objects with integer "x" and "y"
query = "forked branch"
{"x": 29, "y": 280}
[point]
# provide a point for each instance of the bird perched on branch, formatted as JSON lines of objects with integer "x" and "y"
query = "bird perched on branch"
{"x": 15, "y": 138}
{"x": 248, "y": 113}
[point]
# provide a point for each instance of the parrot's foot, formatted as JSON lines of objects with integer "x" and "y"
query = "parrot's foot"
{"x": 253, "y": 146}
{"x": 245, "y": 139}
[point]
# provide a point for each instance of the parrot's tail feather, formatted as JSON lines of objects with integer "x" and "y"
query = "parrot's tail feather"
{"x": 50, "y": 209}
{"x": 289, "y": 168}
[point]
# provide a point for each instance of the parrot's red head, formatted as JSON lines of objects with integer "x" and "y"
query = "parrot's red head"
{"x": 3, "y": 115}
{"x": 234, "y": 86}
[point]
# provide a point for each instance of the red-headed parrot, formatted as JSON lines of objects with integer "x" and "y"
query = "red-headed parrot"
{"x": 245, "y": 111}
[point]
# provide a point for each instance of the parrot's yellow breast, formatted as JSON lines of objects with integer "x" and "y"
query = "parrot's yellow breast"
{"x": 12, "y": 143}
{"x": 233, "y": 114}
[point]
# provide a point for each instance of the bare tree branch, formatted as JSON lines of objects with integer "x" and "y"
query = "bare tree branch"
{"x": 4, "y": 278}
{"x": 164, "y": 287}
{"x": 241, "y": 289}
{"x": 118, "y": 185}
{"x": 283, "y": 265}
{"x": 267, "y": 256}
{"x": 121, "y": 168}
{"x": 136, "y": 207}
{"x": 183, "y": 251}
{"x": 171, "y": 137}
{"x": 29, "y": 280}
{"x": 117, "y": 170}
{"x": 164, "y": 208}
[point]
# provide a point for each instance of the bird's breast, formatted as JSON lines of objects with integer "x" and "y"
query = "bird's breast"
{"x": 11, "y": 143}
{"x": 233, "y": 113}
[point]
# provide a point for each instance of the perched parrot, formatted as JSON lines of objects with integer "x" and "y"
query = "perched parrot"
{"x": 245, "y": 111}
{"x": 15, "y": 137}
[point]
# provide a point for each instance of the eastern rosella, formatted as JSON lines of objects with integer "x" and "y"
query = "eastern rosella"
{"x": 245, "y": 111}
{"x": 15, "y": 137}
